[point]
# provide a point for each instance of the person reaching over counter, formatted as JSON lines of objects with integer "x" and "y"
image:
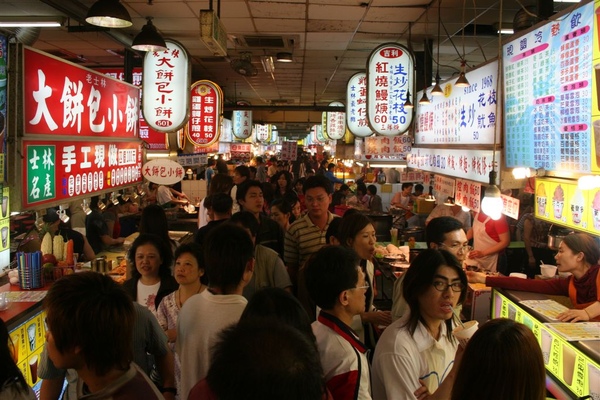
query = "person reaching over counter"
{"x": 490, "y": 239}
{"x": 577, "y": 254}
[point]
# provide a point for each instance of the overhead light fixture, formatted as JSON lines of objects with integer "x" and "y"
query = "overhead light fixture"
{"x": 101, "y": 205}
{"x": 449, "y": 201}
{"x": 437, "y": 90}
{"x": 506, "y": 31}
{"x": 408, "y": 103}
{"x": 491, "y": 204}
{"x": 86, "y": 207}
{"x": 31, "y": 22}
{"x": 114, "y": 198}
{"x": 525, "y": 172}
{"x": 267, "y": 63}
{"x": 424, "y": 98}
{"x": 285, "y": 57}
{"x": 62, "y": 213}
{"x": 462, "y": 80}
{"x": 108, "y": 13}
{"x": 149, "y": 39}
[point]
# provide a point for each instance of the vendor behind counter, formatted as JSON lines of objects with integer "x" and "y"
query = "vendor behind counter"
{"x": 53, "y": 224}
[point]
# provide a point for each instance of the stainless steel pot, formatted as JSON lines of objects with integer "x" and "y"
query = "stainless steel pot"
{"x": 556, "y": 236}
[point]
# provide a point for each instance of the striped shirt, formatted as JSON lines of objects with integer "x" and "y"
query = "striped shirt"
{"x": 304, "y": 238}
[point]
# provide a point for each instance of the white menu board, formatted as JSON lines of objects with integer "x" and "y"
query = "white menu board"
{"x": 467, "y": 164}
{"x": 356, "y": 98}
{"x": 464, "y": 115}
{"x": 548, "y": 90}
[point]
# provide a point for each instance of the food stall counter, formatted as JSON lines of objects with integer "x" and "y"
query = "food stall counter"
{"x": 571, "y": 350}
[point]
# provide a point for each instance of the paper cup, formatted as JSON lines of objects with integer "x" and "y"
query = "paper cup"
{"x": 464, "y": 334}
{"x": 546, "y": 345}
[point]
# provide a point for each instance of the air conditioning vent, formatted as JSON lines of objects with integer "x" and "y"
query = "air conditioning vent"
{"x": 267, "y": 41}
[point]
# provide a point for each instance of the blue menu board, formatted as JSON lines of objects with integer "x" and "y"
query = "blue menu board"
{"x": 548, "y": 94}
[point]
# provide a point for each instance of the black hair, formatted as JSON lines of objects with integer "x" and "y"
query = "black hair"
{"x": 247, "y": 220}
{"x": 407, "y": 184}
{"x": 362, "y": 187}
{"x": 419, "y": 278}
{"x": 419, "y": 188}
{"x": 279, "y": 303}
{"x": 154, "y": 221}
{"x": 225, "y": 266}
{"x": 219, "y": 202}
{"x": 436, "y": 229}
{"x": 317, "y": 181}
{"x": 333, "y": 229}
{"x": 350, "y": 226}
{"x": 195, "y": 250}
{"x": 265, "y": 358}
{"x": 164, "y": 250}
{"x": 244, "y": 187}
{"x": 243, "y": 170}
{"x": 9, "y": 370}
{"x": 329, "y": 272}
{"x": 372, "y": 189}
{"x": 283, "y": 205}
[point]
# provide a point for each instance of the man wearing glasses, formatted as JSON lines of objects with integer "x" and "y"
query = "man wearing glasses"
{"x": 337, "y": 285}
{"x": 445, "y": 233}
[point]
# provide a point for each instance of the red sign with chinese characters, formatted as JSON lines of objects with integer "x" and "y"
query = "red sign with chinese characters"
{"x": 58, "y": 170}
{"x": 468, "y": 194}
{"x": 154, "y": 140}
{"x": 65, "y": 99}
{"x": 207, "y": 108}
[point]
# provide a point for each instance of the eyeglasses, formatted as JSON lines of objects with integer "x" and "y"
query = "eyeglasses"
{"x": 443, "y": 286}
{"x": 464, "y": 248}
{"x": 365, "y": 286}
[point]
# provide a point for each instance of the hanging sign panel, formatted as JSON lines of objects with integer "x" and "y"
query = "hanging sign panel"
{"x": 153, "y": 139}
{"x": 57, "y": 170}
{"x": 468, "y": 194}
{"x": 262, "y": 132}
{"x": 390, "y": 75}
{"x": 463, "y": 115}
{"x": 336, "y": 122}
{"x": 467, "y": 164}
{"x": 165, "y": 91}
{"x": 242, "y": 124}
{"x": 65, "y": 99}
{"x": 356, "y": 99}
{"x": 207, "y": 108}
{"x": 163, "y": 171}
{"x": 548, "y": 95}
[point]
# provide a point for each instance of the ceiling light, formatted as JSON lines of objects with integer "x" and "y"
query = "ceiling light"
{"x": 108, "y": 13}
{"x": 462, "y": 80}
{"x": 424, "y": 98}
{"x": 437, "y": 89}
{"x": 285, "y": 57}
{"x": 449, "y": 201}
{"x": 408, "y": 103}
{"x": 491, "y": 204}
{"x": 149, "y": 39}
{"x": 506, "y": 31}
{"x": 31, "y": 22}
{"x": 267, "y": 63}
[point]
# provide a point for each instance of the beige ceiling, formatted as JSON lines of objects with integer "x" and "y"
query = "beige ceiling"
{"x": 330, "y": 39}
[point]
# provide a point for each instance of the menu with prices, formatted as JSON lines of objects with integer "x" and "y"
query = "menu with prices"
{"x": 356, "y": 99}
{"x": 206, "y": 100}
{"x": 563, "y": 202}
{"x": 388, "y": 148}
{"x": 548, "y": 95}
{"x": 59, "y": 170}
{"x": 467, "y": 164}
{"x": 462, "y": 115}
{"x": 468, "y": 194}
{"x": 578, "y": 331}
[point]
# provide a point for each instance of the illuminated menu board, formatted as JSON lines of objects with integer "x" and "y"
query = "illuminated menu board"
{"x": 463, "y": 115}
{"x": 548, "y": 95}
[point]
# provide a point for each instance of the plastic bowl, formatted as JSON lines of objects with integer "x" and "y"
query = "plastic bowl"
{"x": 548, "y": 270}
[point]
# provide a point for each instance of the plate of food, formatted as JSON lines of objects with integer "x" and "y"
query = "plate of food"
{"x": 399, "y": 265}
{"x": 396, "y": 257}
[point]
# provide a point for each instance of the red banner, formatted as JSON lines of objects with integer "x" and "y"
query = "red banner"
{"x": 207, "y": 108}
{"x": 65, "y": 99}
{"x": 57, "y": 170}
{"x": 155, "y": 140}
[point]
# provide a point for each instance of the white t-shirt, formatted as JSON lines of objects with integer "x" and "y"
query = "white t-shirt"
{"x": 201, "y": 319}
{"x": 163, "y": 195}
{"x": 401, "y": 359}
{"x": 146, "y": 295}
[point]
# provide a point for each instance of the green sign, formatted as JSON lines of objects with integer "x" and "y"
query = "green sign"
{"x": 40, "y": 180}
